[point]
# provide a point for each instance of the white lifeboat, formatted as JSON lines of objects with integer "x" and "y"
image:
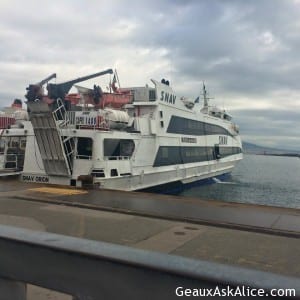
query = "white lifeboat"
{"x": 116, "y": 119}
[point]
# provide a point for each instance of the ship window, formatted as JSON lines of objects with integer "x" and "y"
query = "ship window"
{"x": 126, "y": 147}
{"x": 117, "y": 147}
{"x": 161, "y": 113}
{"x": 152, "y": 95}
{"x": 113, "y": 172}
{"x": 217, "y": 151}
{"x": 98, "y": 173}
{"x": 227, "y": 117}
{"x": 193, "y": 127}
{"x": 2, "y": 145}
{"x": 162, "y": 124}
{"x": 164, "y": 152}
{"x": 14, "y": 142}
{"x": 84, "y": 148}
{"x": 225, "y": 151}
{"x": 23, "y": 144}
{"x": 173, "y": 155}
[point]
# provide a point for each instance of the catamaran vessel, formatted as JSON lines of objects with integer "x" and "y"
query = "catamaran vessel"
{"x": 133, "y": 138}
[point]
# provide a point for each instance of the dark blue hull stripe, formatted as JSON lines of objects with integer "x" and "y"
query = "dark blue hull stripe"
{"x": 175, "y": 187}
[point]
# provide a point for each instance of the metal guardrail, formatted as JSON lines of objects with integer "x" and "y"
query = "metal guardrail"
{"x": 96, "y": 270}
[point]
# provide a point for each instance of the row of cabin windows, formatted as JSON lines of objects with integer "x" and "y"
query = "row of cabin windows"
{"x": 111, "y": 147}
{"x": 18, "y": 142}
{"x": 166, "y": 154}
{"x": 141, "y": 94}
{"x": 173, "y": 155}
{"x": 192, "y": 127}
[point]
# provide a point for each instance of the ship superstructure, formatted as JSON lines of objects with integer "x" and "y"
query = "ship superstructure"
{"x": 128, "y": 138}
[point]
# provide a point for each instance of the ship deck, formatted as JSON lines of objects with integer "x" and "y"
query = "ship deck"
{"x": 257, "y": 237}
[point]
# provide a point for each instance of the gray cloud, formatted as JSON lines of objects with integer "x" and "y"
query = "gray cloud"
{"x": 277, "y": 128}
{"x": 247, "y": 51}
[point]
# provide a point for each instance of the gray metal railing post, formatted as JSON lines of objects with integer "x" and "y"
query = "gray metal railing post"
{"x": 94, "y": 270}
{"x": 12, "y": 290}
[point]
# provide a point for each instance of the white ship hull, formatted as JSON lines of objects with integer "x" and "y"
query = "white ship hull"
{"x": 180, "y": 176}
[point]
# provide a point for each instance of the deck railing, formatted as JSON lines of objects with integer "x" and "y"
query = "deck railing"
{"x": 95, "y": 121}
{"x": 92, "y": 270}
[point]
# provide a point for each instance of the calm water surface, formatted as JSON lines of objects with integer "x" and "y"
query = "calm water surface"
{"x": 268, "y": 180}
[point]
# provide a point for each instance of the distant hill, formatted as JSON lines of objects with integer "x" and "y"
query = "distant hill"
{"x": 256, "y": 149}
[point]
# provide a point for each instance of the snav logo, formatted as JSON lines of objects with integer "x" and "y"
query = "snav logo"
{"x": 166, "y": 97}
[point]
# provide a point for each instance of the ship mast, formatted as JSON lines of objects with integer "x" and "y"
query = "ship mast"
{"x": 205, "y": 95}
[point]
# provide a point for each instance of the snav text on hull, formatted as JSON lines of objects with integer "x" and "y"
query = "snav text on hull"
{"x": 129, "y": 138}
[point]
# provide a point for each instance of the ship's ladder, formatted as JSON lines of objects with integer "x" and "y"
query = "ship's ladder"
{"x": 62, "y": 119}
{"x": 55, "y": 150}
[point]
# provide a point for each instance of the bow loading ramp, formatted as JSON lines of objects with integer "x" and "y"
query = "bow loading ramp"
{"x": 47, "y": 132}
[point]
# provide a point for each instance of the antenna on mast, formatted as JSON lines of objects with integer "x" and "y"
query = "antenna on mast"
{"x": 117, "y": 77}
{"x": 205, "y": 95}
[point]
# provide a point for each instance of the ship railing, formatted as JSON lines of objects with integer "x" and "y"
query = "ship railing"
{"x": 70, "y": 115}
{"x": 96, "y": 123}
{"x": 103, "y": 127}
{"x": 69, "y": 148}
{"x": 62, "y": 120}
{"x": 60, "y": 113}
{"x": 87, "y": 269}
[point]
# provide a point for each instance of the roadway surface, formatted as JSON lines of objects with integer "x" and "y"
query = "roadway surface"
{"x": 257, "y": 237}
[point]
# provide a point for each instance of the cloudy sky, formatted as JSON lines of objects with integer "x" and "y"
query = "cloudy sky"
{"x": 248, "y": 52}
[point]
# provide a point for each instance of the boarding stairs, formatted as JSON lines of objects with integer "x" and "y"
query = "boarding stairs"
{"x": 56, "y": 151}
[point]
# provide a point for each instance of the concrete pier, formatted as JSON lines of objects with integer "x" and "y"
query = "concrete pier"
{"x": 257, "y": 237}
{"x": 12, "y": 290}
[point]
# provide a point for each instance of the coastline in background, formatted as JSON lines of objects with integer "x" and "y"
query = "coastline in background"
{"x": 257, "y": 179}
{"x": 249, "y": 148}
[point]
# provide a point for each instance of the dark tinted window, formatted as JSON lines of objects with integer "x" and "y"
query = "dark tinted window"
{"x": 193, "y": 127}
{"x": 173, "y": 155}
{"x": 84, "y": 148}
{"x": 118, "y": 147}
{"x": 152, "y": 95}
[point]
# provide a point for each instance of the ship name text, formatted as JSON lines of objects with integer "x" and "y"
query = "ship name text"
{"x": 31, "y": 178}
{"x": 167, "y": 97}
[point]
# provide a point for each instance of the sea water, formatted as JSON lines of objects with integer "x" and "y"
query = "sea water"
{"x": 258, "y": 179}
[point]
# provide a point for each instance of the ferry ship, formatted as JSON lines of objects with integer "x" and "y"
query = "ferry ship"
{"x": 134, "y": 138}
